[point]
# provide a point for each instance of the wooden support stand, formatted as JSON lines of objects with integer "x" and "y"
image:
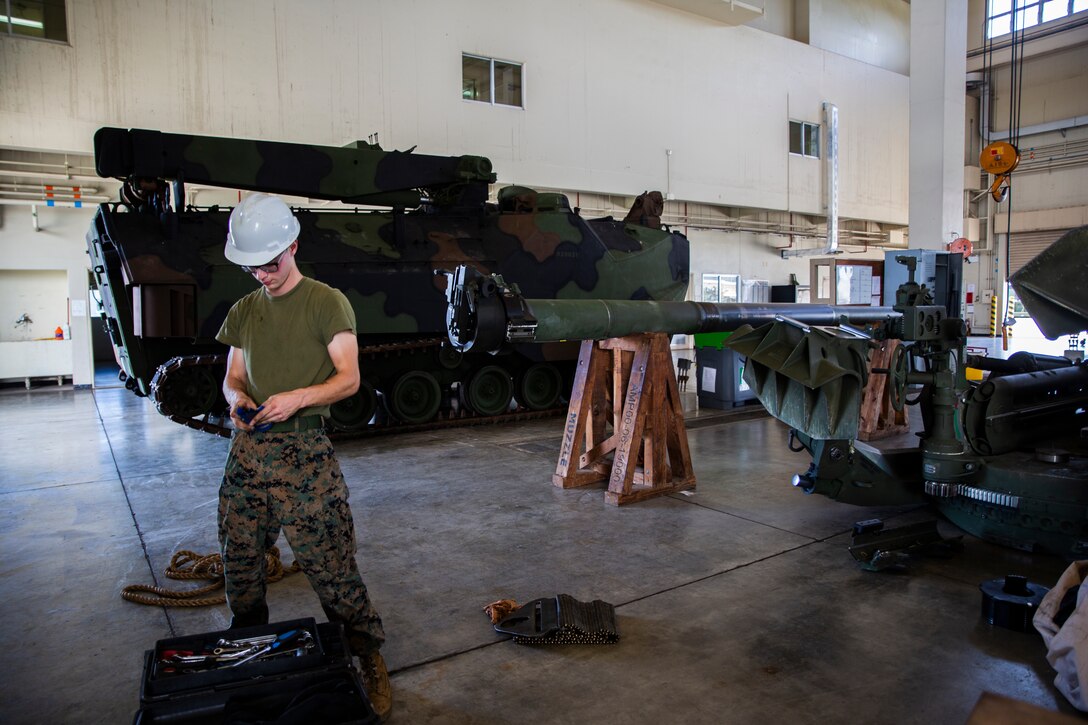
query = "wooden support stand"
{"x": 627, "y": 384}
{"x": 878, "y": 418}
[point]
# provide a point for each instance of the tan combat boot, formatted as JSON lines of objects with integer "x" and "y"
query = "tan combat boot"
{"x": 376, "y": 681}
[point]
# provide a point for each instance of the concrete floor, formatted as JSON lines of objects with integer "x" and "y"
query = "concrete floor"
{"x": 737, "y": 603}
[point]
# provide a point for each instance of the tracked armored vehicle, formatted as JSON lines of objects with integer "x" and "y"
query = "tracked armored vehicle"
{"x": 166, "y": 286}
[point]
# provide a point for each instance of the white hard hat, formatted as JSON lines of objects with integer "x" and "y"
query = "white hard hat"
{"x": 260, "y": 227}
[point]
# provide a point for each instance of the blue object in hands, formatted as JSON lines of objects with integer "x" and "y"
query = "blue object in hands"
{"x": 246, "y": 414}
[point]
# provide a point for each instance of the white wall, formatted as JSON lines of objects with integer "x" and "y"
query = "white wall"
{"x": 628, "y": 80}
{"x": 41, "y": 295}
{"x": 872, "y": 31}
{"x": 58, "y": 245}
{"x": 1042, "y": 186}
{"x": 752, "y": 256}
{"x": 778, "y": 18}
{"x": 1054, "y": 88}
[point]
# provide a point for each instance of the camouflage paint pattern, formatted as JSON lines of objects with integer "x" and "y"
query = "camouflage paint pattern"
{"x": 359, "y": 173}
{"x": 384, "y": 261}
{"x": 292, "y": 480}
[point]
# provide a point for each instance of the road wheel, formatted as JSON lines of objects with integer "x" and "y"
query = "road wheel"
{"x": 489, "y": 392}
{"x": 540, "y": 386}
{"x": 355, "y": 412}
{"x": 415, "y": 398}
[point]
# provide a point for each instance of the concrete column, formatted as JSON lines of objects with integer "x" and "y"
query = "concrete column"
{"x": 938, "y": 69}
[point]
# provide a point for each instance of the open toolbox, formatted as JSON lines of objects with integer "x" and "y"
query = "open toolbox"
{"x": 292, "y": 671}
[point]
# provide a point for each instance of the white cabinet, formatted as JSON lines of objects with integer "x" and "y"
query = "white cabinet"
{"x": 36, "y": 359}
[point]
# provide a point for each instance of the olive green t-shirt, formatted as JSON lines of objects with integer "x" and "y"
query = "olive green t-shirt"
{"x": 285, "y": 339}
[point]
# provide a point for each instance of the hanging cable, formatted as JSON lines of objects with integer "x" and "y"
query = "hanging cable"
{"x": 1000, "y": 158}
{"x": 987, "y": 80}
{"x": 1016, "y": 88}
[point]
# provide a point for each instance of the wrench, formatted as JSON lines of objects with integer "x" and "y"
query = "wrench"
{"x": 289, "y": 637}
{"x": 248, "y": 641}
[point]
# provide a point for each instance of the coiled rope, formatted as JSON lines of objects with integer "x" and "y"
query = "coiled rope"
{"x": 188, "y": 565}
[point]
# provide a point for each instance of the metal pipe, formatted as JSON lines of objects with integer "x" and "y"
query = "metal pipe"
{"x": 44, "y": 195}
{"x": 831, "y": 187}
{"x": 83, "y": 203}
{"x": 41, "y": 187}
{"x": 36, "y": 163}
{"x": 1063, "y": 124}
{"x": 40, "y": 196}
{"x": 704, "y": 218}
{"x": 46, "y": 164}
{"x": 831, "y": 121}
{"x": 45, "y": 175}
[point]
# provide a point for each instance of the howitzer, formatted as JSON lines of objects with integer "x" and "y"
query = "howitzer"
{"x": 1004, "y": 459}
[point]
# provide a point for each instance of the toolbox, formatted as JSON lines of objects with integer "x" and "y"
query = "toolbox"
{"x": 296, "y": 671}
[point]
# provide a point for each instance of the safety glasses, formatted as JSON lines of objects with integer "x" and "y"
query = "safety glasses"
{"x": 269, "y": 268}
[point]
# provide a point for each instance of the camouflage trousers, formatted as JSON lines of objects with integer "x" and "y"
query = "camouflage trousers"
{"x": 292, "y": 481}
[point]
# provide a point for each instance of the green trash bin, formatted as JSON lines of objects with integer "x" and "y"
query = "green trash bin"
{"x": 720, "y": 375}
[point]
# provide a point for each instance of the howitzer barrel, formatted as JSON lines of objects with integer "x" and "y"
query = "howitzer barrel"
{"x": 600, "y": 319}
{"x": 484, "y": 313}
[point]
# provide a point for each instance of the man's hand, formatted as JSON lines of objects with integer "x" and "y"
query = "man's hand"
{"x": 241, "y": 400}
{"x": 280, "y": 407}
{"x": 234, "y": 388}
{"x": 344, "y": 382}
{"x": 344, "y": 353}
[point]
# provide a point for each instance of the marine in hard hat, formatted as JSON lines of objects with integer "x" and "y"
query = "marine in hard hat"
{"x": 293, "y": 352}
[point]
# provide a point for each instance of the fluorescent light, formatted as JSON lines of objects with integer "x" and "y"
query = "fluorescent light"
{"x": 23, "y": 21}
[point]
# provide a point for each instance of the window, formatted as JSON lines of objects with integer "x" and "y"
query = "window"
{"x": 34, "y": 19}
{"x": 490, "y": 81}
{"x": 854, "y": 284}
{"x": 805, "y": 139}
{"x": 755, "y": 290}
{"x": 1005, "y": 15}
{"x": 720, "y": 287}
